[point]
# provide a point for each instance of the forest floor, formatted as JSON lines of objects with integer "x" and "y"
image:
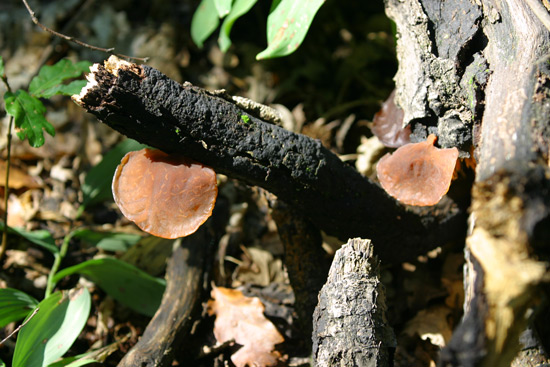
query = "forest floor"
{"x": 329, "y": 89}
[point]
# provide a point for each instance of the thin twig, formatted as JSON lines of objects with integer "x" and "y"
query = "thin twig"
{"x": 74, "y": 40}
{"x": 20, "y": 326}
{"x": 4, "y": 244}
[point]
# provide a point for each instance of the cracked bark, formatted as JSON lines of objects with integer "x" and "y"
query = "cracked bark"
{"x": 143, "y": 104}
{"x": 476, "y": 73}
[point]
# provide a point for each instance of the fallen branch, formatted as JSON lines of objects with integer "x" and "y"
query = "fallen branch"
{"x": 145, "y": 105}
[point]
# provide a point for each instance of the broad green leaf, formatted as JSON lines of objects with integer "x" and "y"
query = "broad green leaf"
{"x": 28, "y": 113}
{"x": 97, "y": 184}
{"x": 15, "y": 305}
{"x": 53, "y": 329}
{"x": 40, "y": 237}
{"x": 204, "y": 22}
{"x": 223, "y": 7}
{"x": 240, "y": 7}
{"x": 122, "y": 281}
{"x": 287, "y": 25}
{"x": 2, "y": 364}
{"x": 49, "y": 80}
{"x": 107, "y": 240}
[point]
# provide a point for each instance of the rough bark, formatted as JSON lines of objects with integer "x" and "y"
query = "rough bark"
{"x": 350, "y": 326}
{"x": 145, "y": 105}
{"x": 476, "y": 73}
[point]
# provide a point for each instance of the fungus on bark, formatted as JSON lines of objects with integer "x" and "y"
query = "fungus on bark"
{"x": 387, "y": 124}
{"x": 418, "y": 174}
{"x": 167, "y": 196}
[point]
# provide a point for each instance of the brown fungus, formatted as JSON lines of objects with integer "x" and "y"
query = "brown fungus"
{"x": 166, "y": 196}
{"x": 418, "y": 174}
{"x": 387, "y": 124}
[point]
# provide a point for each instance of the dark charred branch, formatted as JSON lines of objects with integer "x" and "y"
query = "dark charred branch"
{"x": 304, "y": 260}
{"x": 145, "y": 105}
{"x": 181, "y": 304}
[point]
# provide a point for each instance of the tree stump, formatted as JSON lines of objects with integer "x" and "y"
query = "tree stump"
{"x": 349, "y": 323}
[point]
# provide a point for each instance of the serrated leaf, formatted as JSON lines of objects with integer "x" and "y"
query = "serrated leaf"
{"x": 41, "y": 237}
{"x": 49, "y": 80}
{"x": 28, "y": 113}
{"x": 16, "y": 305}
{"x": 97, "y": 184}
{"x": 204, "y": 22}
{"x": 122, "y": 281}
{"x": 107, "y": 240}
{"x": 240, "y": 7}
{"x": 223, "y": 7}
{"x": 53, "y": 329}
{"x": 287, "y": 26}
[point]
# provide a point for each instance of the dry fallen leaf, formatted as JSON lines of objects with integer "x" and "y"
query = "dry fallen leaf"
{"x": 241, "y": 318}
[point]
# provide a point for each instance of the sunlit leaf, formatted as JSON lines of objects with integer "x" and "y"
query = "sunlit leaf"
{"x": 204, "y": 22}
{"x": 97, "y": 184}
{"x": 223, "y": 7}
{"x": 74, "y": 361}
{"x": 15, "y": 305}
{"x": 28, "y": 113}
{"x": 242, "y": 319}
{"x": 53, "y": 329}
{"x": 240, "y": 7}
{"x": 49, "y": 80}
{"x": 107, "y": 240}
{"x": 122, "y": 281}
{"x": 287, "y": 25}
{"x": 41, "y": 237}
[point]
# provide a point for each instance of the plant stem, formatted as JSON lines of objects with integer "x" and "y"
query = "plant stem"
{"x": 4, "y": 244}
{"x": 57, "y": 262}
{"x": 6, "y": 192}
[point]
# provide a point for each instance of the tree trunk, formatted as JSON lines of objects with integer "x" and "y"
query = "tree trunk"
{"x": 476, "y": 73}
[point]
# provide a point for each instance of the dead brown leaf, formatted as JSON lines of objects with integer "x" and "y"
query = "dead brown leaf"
{"x": 241, "y": 318}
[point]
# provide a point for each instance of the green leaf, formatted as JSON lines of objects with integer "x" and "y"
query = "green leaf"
{"x": 16, "y": 305}
{"x": 122, "y": 281}
{"x": 1, "y": 66}
{"x": 28, "y": 113}
{"x": 49, "y": 80}
{"x": 287, "y": 25}
{"x": 41, "y": 237}
{"x": 107, "y": 240}
{"x": 53, "y": 329}
{"x": 97, "y": 184}
{"x": 204, "y": 22}
{"x": 73, "y": 361}
{"x": 240, "y": 8}
{"x": 223, "y": 7}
